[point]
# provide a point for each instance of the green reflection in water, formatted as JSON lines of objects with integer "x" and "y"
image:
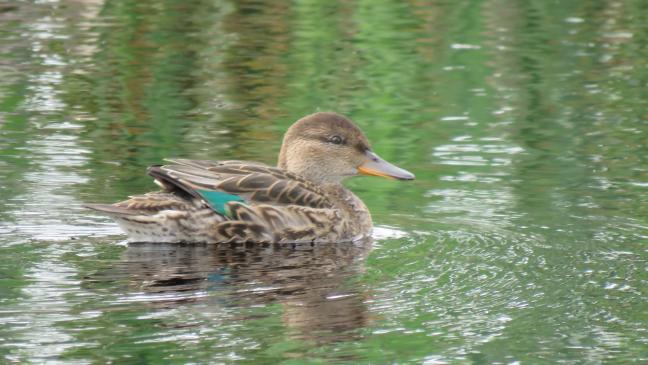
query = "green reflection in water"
{"x": 522, "y": 239}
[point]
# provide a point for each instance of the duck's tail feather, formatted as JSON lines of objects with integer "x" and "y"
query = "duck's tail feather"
{"x": 113, "y": 210}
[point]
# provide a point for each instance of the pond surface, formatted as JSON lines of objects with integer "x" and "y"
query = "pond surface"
{"x": 524, "y": 239}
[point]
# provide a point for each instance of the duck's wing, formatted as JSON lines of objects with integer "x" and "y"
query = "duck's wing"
{"x": 217, "y": 183}
{"x": 257, "y": 201}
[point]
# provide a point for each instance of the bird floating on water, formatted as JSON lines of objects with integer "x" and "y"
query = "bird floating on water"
{"x": 300, "y": 200}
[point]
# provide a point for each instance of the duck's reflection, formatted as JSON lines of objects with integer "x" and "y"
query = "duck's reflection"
{"x": 314, "y": 283}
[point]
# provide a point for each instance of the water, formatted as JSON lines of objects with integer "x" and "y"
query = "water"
{"x": 522, "y": 241}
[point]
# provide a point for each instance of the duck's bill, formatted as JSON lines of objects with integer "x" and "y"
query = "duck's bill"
{"x": 376, "y": 166}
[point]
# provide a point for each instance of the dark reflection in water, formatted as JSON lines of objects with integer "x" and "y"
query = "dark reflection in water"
{"x": 313, "y": 283}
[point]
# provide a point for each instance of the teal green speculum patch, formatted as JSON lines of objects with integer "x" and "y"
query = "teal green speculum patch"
{"x": 217, "y": 200}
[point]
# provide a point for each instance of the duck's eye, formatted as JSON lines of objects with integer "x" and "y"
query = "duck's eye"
{"x": 336, "y": 140}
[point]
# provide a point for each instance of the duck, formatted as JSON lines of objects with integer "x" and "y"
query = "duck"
{"x": 300, "y": 200}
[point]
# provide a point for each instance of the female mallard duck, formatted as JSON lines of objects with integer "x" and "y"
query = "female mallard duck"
{"x": 300, "y": 200}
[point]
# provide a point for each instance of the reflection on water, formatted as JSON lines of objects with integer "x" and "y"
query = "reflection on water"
{"x": 311, "y": 282}
{"x": 205, "y": 290}
{"x": 521, "y": 241}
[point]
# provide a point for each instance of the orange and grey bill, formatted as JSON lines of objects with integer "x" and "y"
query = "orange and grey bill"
{"x": 376, "y": 166}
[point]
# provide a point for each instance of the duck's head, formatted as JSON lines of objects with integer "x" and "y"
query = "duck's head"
{"x": 327, "y": 147}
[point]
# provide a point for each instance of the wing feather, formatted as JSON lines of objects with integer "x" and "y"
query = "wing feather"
{"x": 255, "y": 183}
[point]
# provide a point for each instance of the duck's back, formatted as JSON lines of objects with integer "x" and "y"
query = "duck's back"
{"x": 233, "y": 201}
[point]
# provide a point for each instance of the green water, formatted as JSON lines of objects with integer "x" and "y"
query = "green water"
{"x": 524, "y": 239}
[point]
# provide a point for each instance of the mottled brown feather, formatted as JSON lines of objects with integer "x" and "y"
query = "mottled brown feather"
{"x": 253, "y": 182}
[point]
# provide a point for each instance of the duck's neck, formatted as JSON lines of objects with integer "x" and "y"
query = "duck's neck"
{"x": 316, "y": 175}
